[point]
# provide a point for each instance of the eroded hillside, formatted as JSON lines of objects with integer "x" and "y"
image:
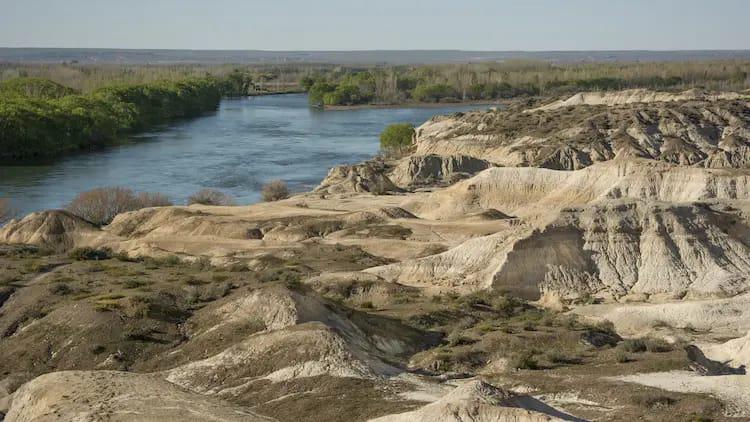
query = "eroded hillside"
{"x": 688, "y": 129}
{"x": 585, "y": 260}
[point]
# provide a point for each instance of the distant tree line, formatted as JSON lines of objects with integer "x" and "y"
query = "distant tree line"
{"x": 485, "y": 81}
{"x": 41, "y": 118}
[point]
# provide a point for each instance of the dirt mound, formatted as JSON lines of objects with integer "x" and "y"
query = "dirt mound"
{"x": 367, "y": 177}
{"x": 116, "y": 396}
{"x": 55, "y": 230}
{"x": 426, "y": 170}
{"x": 304, "y": 336}
{"x": 487, "y": 215}
{"x": 477, "y": 401}
{"x": 698, "y": 133}
{"x": 166, "y": 221}
{"x": 306, "y": 350}
{"x": 376, "y": 216}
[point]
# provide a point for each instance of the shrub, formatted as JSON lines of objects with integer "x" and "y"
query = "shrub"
{"x": 523, "y": 360}
{"x": 238, "y": 267}
{"x": 633, "y": 345}
{"x": 90, "y": 254}
{"x": 653, "y": 401}
{"x": 275, "y": 191}
{"x": 558, "y": 356}
{"x": 210, "y": 197}
{"x": 101, "y": 205}
{"x": 153, "y": 199}
{"x": 59, "y": 289}
{"x": 133, "y": 284}
{"x": 657, "y": 345}
{"x": 621, "y": 356}
{"x": 605, "y": 326}
{"x": 397, "y": 137}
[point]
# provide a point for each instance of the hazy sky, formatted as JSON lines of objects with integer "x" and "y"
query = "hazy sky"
{"x": 377, "y": 24}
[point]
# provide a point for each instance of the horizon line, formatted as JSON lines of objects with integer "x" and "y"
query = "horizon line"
{"x": 373, "y": 50}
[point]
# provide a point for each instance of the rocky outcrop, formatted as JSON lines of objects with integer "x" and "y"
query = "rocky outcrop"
{"x": 430, "y": 170}
{"x": 367, "y": 177}
{"x": 707, "y": 131}
{"x": 610, "y": 250}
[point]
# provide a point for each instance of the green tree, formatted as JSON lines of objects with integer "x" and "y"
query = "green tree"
{"x": 316, "y": 93}
{"x": 396, "y": 137}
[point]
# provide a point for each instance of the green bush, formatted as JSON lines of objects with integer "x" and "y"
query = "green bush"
{"x": 397, "y": 137}
{"x": 90, "y": 254}
{"x": 317, "y": 92}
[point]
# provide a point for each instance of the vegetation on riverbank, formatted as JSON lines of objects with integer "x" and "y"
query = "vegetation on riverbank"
{"x": 396, "y": 138}
{"x": 41, "y": 118}
{"x": 494, "y": 81}
{"x": 89, "y": 78}
{"x": 46, "y": 110}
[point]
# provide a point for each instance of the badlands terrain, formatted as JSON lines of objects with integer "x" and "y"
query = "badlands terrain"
{"x": 586, "y": 259}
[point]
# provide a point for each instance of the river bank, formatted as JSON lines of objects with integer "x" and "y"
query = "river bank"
{"x": 418, "y": 104}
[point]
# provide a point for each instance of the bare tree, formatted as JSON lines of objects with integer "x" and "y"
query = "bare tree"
{"x": 101, "y": 205}
{"x": 275, "y": 191}
{"x": 153, "y": 199}
{"x": 210, "y": 197}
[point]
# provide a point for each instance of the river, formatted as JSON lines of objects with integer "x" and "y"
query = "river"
{"x": 244, "y": 144}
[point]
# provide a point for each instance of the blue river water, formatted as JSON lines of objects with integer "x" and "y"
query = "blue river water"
{"x": 244, "y": 144}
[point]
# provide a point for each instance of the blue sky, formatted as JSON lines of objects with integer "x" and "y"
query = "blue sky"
{"x": 378, "y": 24}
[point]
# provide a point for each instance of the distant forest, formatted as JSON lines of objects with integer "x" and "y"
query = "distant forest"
{"x": 485, "y": 81}
{"x": 46, "y": 109}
